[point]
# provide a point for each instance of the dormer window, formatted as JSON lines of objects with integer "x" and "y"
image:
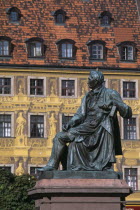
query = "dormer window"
{"x": 5, "y": 46}
{"x": 105, "y": 18}
{"x": 14, "y": 14}
{"x": 60, "y": 16}
{"x": 127, "y": 51}
{"x": 96, "y": 49}
{"x": 35, "y": 47}
{"x": 105, "y": 21}
{"x": 66, "y": 49}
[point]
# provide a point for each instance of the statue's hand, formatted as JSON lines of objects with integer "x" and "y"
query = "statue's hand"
{"x": 65, "y": 127}
{"x": 106, "y": 106}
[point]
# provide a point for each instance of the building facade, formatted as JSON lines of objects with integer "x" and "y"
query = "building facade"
{"x": 47, "y": 50}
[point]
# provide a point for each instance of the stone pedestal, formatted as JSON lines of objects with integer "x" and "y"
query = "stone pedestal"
{"x": 80, "y": 194}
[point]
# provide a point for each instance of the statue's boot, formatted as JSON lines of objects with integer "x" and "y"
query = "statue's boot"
{"x": 108, "y": 167}
{"x": 57, "y": 152}
{"x": 46, "y": 168}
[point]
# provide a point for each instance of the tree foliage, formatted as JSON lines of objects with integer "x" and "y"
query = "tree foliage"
{"x": 13, "y": 191}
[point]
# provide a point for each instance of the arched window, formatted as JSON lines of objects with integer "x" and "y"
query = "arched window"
{"x": 105, "y": 18}
{"x": 60, "y": 16}
{"x": 66, "y": 48}
{"x": 96, "y": 49}
{"x": 127, "y": 51}
{"x": 5, "y": 46}
{"x": 35, "y": 47}
{"x": 14, "y": 14}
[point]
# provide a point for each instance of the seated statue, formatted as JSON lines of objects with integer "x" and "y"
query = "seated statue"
{"x": 92, "y": 135}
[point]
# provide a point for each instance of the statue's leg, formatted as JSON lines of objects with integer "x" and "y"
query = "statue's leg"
{"x": 64, "y": 158}
{"x": 58, "y": 150}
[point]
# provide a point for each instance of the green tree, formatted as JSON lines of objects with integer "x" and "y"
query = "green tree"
{"x": 13, "y": 191}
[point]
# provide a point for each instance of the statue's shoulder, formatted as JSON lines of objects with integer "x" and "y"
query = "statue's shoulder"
{"x": 111, "y": 91}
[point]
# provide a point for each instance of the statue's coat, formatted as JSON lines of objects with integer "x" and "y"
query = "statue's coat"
{"x": 92, "y": 126}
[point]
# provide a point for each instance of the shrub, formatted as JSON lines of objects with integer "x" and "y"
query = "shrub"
{"x": 13, "y": 191}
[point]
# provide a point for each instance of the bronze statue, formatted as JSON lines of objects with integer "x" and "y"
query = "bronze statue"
{"x": 92, "y": 133}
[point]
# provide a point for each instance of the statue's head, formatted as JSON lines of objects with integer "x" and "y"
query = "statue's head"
{"x": 20, "y": 114}
{"x": 96, "y": 78}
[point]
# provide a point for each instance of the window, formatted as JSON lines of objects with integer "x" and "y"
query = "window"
{"x": 105, "y": 83}
{"x": 5, "y": 125}
{"x": 36, "y": 126}
{"x": 105, "y": 18}
{"x": 130, "y": 128}
{"x": 33, "y": 170}
{"x": 14, "y": 14}
{"x": 60, "y": 16}
{"x": 66, "y": 49}
{"x": 36, "y": 86}
{"x": 6, "y": 47}
{"x": 105, "y": 21}
{"x": 65, "y": 119}
{"x": 67, "y": 87}
{"x": 5, "y": 85}
{"x": 7, "y": 168}
{"x": 35, "y": 47}
{"x": 129, "y": 89}
{"x": 131, "y": 177}
{"x": 127, "y": 51}
{"x": 96, "y": 49}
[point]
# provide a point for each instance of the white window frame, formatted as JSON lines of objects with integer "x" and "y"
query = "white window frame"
{"x": 60, "y": 87}
{"x": 8, "y": 165}
{"x": 137, "y": 128}
{"x": 97, "y": 50}
{"x": 12, "y": 123}
{"x": 60, "y": 119}
{"x": 30, "y": 165}
{"x": 108, "y": 20}
{"x": 44, "y": 88}
{"x": 126, "y": 52}
{"x": 14, "y": 16}
{"x": 3, "y": 47}
{"x": 138, "y": 175}
{"x": 12, "y": 85}
{"x": 106, "y": 83}
{"x": 68, "y": 52}
{"x": 136, "y": 89}
{"x": 45, "y": 126}
{"x": 33, "y": 46}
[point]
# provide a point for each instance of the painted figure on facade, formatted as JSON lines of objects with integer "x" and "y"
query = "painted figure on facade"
{"x": 52, "y": 123}
{"x": 21, "y": 122}
{"x": 19, "y": 171}
{"x": 93, "y": 132}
